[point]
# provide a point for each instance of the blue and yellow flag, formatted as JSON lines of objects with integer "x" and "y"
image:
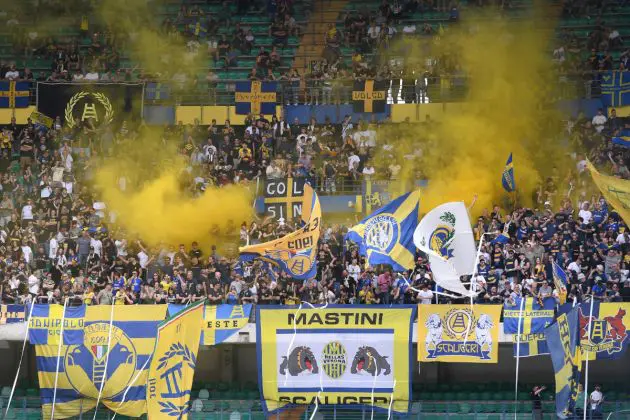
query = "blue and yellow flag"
{"x": 458, "y": 334}
{"x": 173, "y": 365}
{"x": 507, "y": 179}
{"x": 615, "y": 88}
{"x": 607, "y": 335}
{"x": 14, "y": 94}
{"x": 219, "y": 322}
{"x": 10, "y": 314}
{"x": 295, "y": 253}
{"x": 157, "y": 91}
{"x": 351, "y": 355}
{"x": 560, "y": 281}
{"x": 534, "y": 318}
{"x": 255, "y": 97}
{"x": 563, "y": 340}
{"x": 110, "y": 362}
{"x": 386, "y": 236}
{"x": 46, "y": 320}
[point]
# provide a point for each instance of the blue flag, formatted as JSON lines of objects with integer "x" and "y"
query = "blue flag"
{"x": 255, "y": 97}
{"x": 386, "y": 236}
{"x": 508, "y": 176}
{"x": 14, "y": 94}
{"x": 560, "y": 281}
{"x": 534, "y": 318}
{"x": 563, "y": 340}
{"x": 615, "y": 87}
{"x": 621, "y": 141}
{"x": 157, "y": 92}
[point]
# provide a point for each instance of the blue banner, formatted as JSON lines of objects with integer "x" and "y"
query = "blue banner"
{"x": 532, "y": 316}
{"x": 255, "y": 98}
{"x": 10, "y": 314}
{"x": 615, "y": 87}
{"x": 14, "y": 94}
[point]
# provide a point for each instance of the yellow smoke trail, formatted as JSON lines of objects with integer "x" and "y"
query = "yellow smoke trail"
{"x": 156, "y": 208}
{"x": 506, "y": 111}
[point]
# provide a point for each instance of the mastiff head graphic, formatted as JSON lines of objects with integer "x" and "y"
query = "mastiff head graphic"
{"x": 300, "y": 361}
{"x": 367, "y": 360}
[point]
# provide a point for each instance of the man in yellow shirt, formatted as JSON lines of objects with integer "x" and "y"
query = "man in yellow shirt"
{"x": 366, "y": 295}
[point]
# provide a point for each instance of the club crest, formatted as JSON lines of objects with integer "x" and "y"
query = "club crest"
{"x": 101, "y": 362}
{"x": 381, "y": 233}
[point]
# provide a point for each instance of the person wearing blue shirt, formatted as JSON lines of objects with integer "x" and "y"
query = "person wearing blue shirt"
{"x": 136, "y": 282}
{"x": 119, "y": 282}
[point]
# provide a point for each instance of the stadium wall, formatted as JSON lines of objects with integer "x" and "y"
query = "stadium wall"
{"x": 187, "y": 114}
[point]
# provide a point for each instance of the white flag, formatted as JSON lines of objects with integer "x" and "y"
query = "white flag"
{"x": 445, "y": 235}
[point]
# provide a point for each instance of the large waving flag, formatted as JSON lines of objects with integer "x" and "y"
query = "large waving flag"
{"x": 616, "y": 191}
{"x": 296, "y": 252}
{"x": 507, "y": 179}
{"x": 446, "y": 236}
{"x": 529, "y": 318}
{"x": 386, "y": 236}
{"x": 104, "y": 357}
{"x": 563, "y": 340}
{"x": 560, "y": 281}
{"x": 173, "y": 365}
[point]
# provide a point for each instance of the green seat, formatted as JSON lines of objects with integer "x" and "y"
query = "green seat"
{"x": 464, "y": 408}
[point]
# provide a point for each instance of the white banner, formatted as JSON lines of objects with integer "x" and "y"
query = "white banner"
{"x": 445, "y": 234}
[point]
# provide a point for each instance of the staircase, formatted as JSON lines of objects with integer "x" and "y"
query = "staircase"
{"x": 312, "y": 44}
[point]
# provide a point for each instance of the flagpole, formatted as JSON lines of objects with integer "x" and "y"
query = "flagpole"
{"x": 518, "y": 354}
{"x": 63, "y": 320}
{"x": 588, "y": 335}
{"x": 28, "y": 321}
{"x": 109, "y": 343}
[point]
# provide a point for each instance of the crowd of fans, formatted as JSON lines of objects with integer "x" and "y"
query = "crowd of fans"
{"x": 56, "y": 243}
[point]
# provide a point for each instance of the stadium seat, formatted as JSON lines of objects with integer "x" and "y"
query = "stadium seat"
{"x": 6, "y": 391}
{"x": 197, "y": 406}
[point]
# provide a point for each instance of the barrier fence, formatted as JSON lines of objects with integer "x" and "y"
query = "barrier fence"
{"x": 332, "y": 92}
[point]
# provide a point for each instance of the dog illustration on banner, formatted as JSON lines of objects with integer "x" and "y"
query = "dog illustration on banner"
{"x": 459, "y": 334}
{"x": 369, "y": 361}
{"x": 482, "y": 331}
{"x": 301, "y": 361}
{"x": 606, "y": 335}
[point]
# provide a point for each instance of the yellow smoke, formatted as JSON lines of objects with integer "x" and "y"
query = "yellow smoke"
{"x": 155, "y": 206}
{"x": 506, "y": 110}
{"x": 138, "y": 26}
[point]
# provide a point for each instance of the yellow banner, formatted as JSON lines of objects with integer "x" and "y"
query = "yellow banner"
{"x": 295, "y": 253}
{"x": 173, "y": 364}
{"x": 96, "y": 362}
{"x": 346, "y": 355}
{"x": 458, "y": 334}
{"x": 616, "y": 191}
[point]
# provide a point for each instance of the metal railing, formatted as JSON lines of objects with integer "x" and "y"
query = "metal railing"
{"x": 421, "y": 90}
{"x": 420, "y": 410}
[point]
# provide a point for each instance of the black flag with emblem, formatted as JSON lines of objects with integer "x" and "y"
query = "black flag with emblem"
{"x": 101, "y": 102}
{"x": 369, "y": 95}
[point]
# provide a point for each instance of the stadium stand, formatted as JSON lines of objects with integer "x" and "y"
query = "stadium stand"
{"x": 34, "y": 267}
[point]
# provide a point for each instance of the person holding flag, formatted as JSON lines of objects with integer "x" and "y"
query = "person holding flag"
{"x": 507, "y": 179}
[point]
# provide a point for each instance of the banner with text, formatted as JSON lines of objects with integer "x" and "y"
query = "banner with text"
{"x": 335, "y": 355}
{"x": 458, "y": 334}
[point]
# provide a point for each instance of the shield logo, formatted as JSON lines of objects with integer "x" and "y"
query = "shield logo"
{"x": 598, "y": 331}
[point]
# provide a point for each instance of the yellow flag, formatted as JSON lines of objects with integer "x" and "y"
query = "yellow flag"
{"x": 616, "y": 191}
{"x": 173, "y": 364}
